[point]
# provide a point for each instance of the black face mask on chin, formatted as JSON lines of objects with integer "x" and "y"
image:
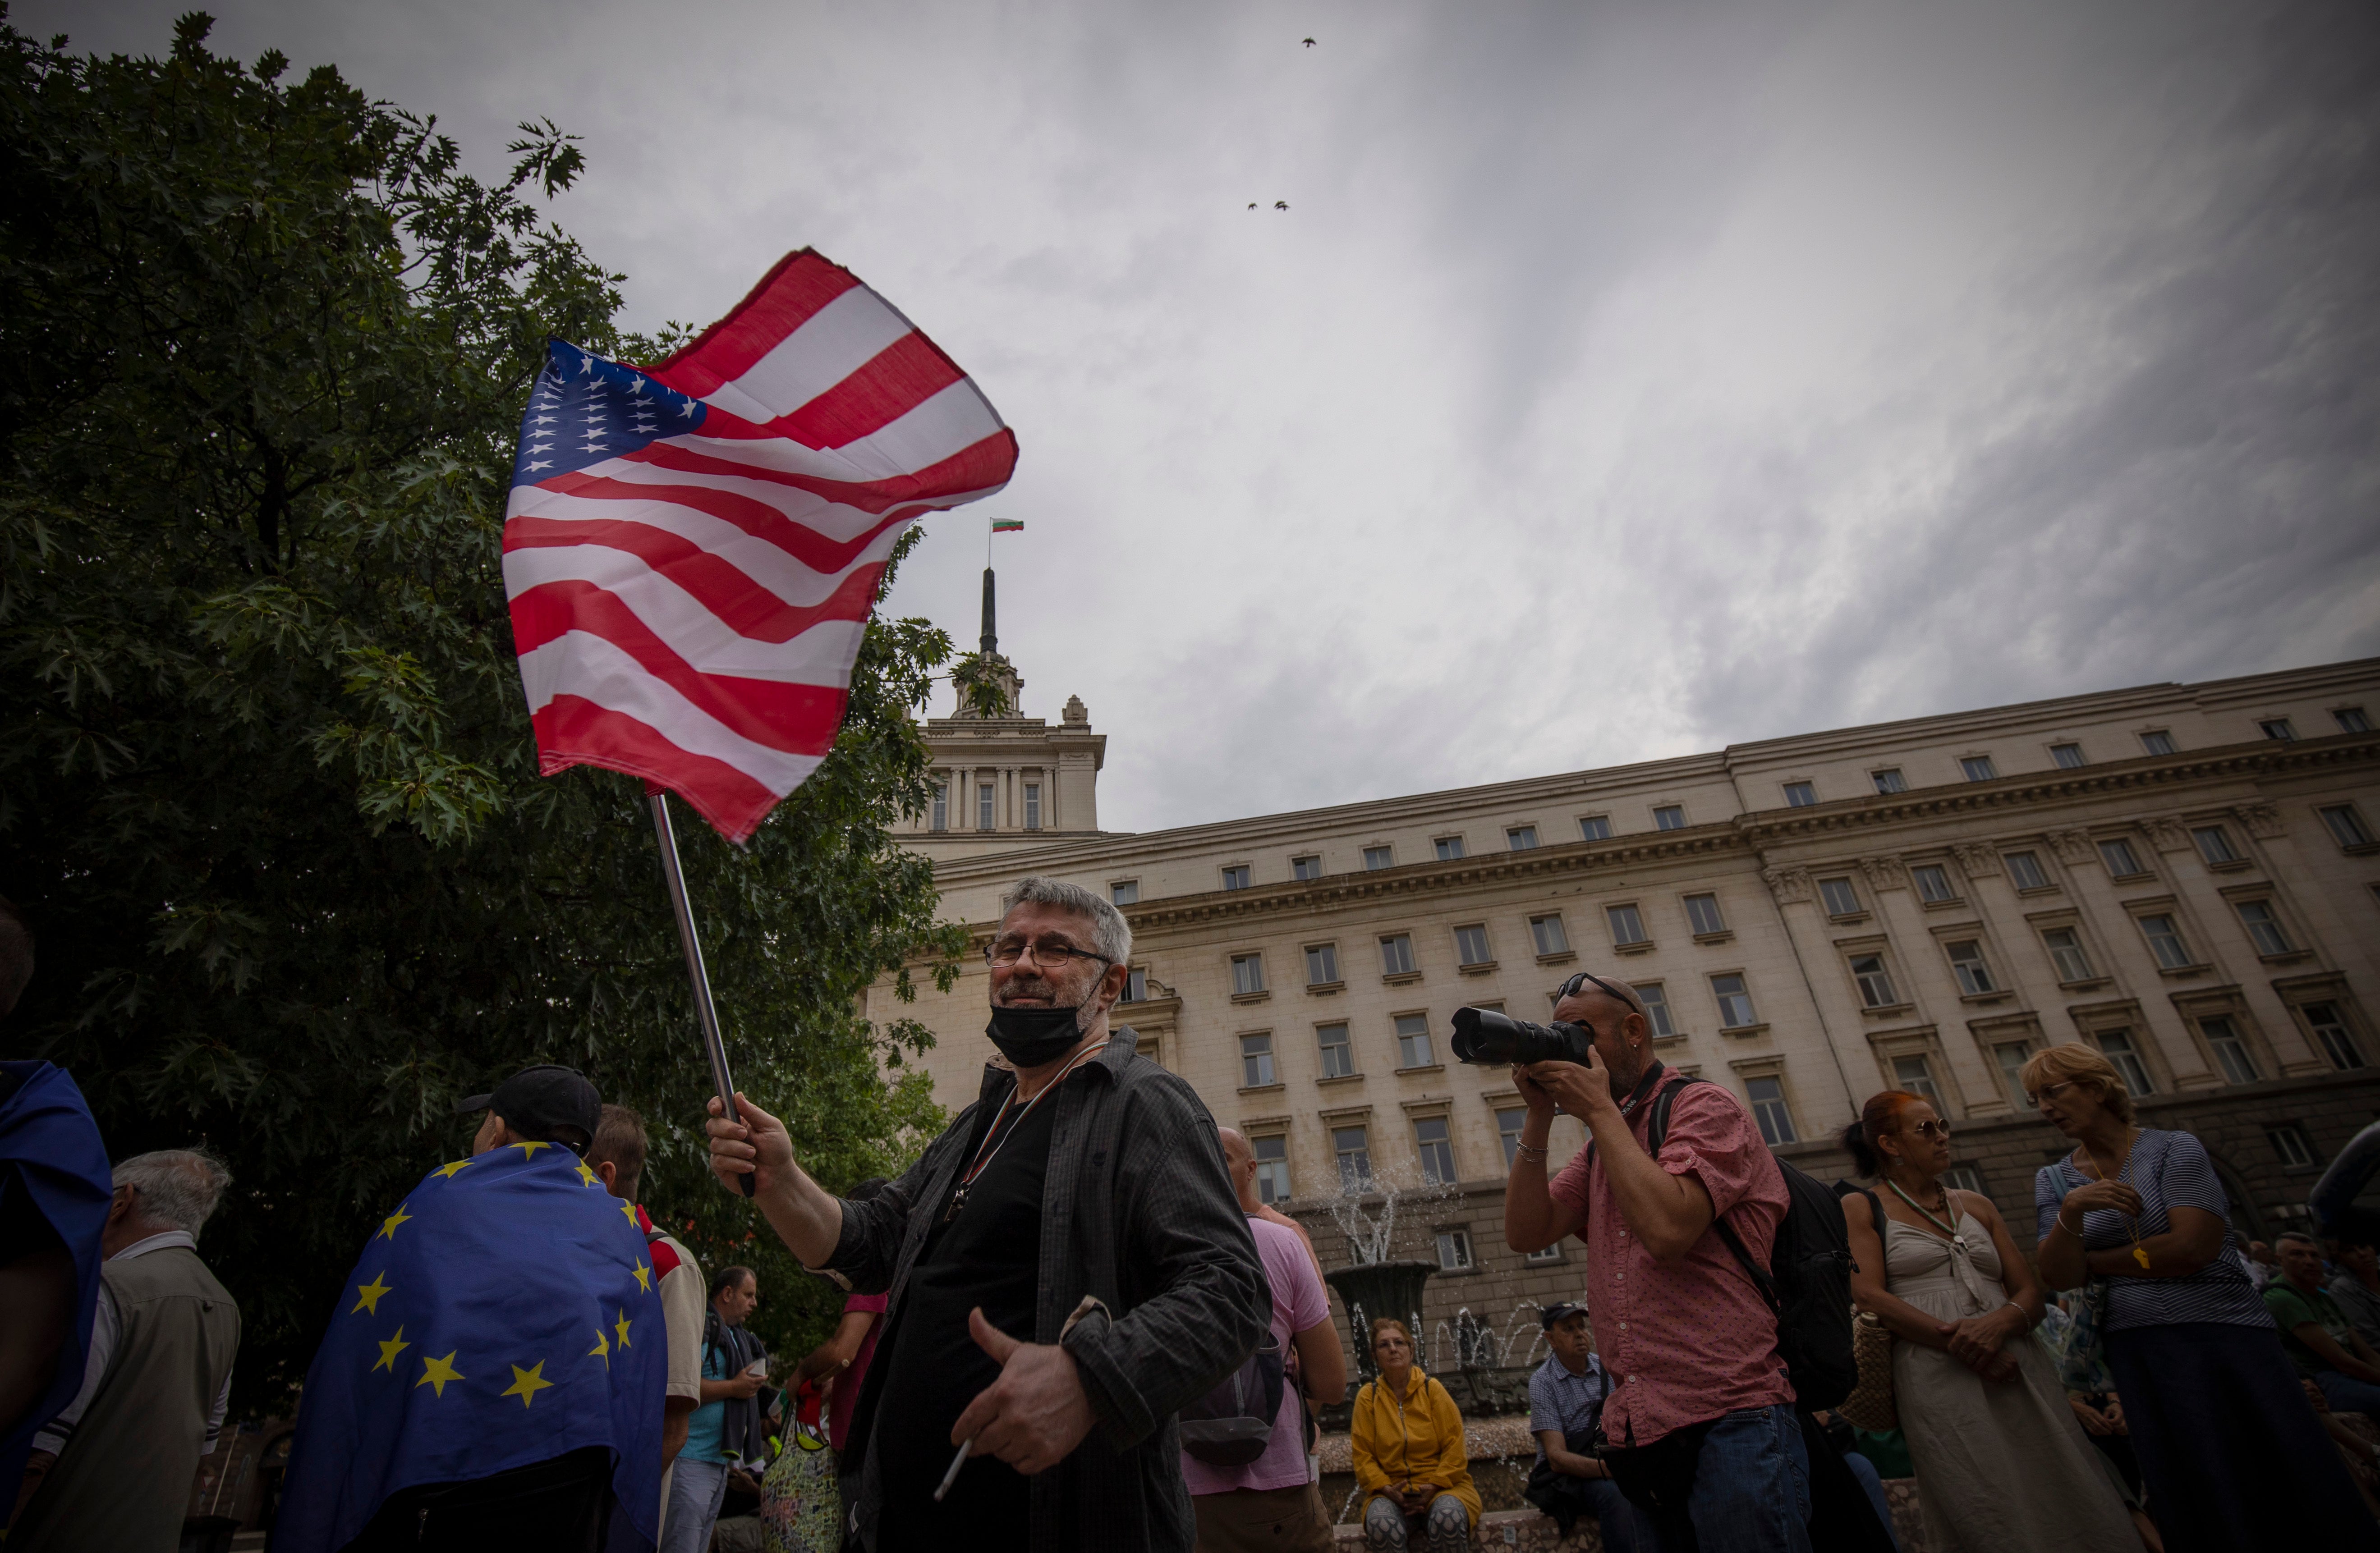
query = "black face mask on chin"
{"x": 1030, "y": 1036}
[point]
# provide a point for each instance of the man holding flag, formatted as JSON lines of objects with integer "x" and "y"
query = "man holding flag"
{"x": 494, "y": 1374}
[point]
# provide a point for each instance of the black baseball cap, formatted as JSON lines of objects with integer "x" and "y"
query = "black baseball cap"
{"x": 542, "y": 1099}
{"x": 1560, "y": 1311}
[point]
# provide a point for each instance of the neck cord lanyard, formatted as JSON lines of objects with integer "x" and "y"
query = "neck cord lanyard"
{"x": 995, "y": 1140}
{"x": 1949, "y": 1231}
{"x": 1652, "y": 1076}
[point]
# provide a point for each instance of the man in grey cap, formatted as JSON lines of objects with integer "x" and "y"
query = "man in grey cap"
{"x": 545, "y": 1104}
{"x": 1566, "y": 1399}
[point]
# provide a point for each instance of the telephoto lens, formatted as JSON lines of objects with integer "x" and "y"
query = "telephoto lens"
{"x": 1484, "y": 1036}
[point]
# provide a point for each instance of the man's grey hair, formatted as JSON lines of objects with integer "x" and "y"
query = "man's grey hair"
{"x": 2298, "y": 1236}
{"x": 177, "y": 1187}
{"x": 1110, "y": 935}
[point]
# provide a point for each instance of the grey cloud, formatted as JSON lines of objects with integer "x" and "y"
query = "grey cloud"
{"x": 1624, "y": 380}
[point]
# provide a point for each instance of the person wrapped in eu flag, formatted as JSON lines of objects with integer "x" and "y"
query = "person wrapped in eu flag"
{"x": 494, "y": 1372}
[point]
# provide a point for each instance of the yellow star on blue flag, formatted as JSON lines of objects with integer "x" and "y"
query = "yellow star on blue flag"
{"x": 528, "y": 1383}
{"x": 485, "y": 1300}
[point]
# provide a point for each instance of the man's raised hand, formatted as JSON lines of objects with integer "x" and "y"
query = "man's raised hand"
{"x": 758, "y": 1146}
{"x": 1034, "y": 1414}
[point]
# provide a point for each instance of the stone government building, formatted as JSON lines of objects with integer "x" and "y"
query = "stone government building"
{"x": 2185, "y": 876}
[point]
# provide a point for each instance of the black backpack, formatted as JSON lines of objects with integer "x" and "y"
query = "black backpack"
{"x": 1230, "y": 1425}
{"x": 1811, "y": 1288}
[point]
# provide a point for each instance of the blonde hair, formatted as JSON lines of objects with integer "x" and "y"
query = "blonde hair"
{"x": 2076, "y": 1063}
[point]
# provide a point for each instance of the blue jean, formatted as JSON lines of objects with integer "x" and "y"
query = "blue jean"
{"x": 2347, "y": 1394}
{"x": 697, "y": 1490}
{"x": 1751, "y": 1486}
{"x": 1873, "y": 1482}
{"x": 1626, "y": 1529}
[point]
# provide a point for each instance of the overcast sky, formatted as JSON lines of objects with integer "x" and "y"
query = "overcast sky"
{"x": 1621, "y": 382}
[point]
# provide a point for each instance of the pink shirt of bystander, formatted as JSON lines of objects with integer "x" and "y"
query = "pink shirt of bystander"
{"x": 847, "y": 1384}
{"x": 1299, "y": 1301}
{"x": 1691, "y": 1339}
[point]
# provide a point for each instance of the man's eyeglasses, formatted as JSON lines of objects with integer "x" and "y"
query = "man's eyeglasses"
{"x": 1571, "y": 987}
{"x": 1049, "y": 956}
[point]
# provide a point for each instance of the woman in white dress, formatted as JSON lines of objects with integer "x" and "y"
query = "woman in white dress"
{"x": 2002, "y": 1466}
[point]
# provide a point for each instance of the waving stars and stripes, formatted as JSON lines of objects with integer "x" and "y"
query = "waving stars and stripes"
{"x": 691, "y": 550}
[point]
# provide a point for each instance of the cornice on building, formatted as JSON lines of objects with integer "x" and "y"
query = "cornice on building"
{"x": 1525, "y": 800}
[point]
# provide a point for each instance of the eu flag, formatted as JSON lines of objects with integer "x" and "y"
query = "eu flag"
{"x": 505, "y": 1314}
{"x": 53, "y": 1168}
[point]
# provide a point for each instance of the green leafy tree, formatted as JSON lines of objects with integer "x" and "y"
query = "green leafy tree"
{"x": 267, "y": 787}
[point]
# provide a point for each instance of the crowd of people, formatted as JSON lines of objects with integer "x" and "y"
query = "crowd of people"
{"x": 1073, "y": 1323}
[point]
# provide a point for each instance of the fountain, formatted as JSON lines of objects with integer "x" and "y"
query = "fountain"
{"x": 1375, "y": 1289}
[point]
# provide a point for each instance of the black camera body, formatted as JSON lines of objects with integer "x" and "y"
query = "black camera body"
{"x": 1487, "y": 1038}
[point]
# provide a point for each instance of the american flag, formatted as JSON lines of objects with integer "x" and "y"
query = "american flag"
{"x": 691, "y": 550}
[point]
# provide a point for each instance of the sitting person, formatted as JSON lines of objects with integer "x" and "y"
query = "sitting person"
{"x": 1410, "y": 1462}
{"x": 2356, "y": 1287}
{"x": 2322, "y": 1343}
{"x": 1566, "y": 1399}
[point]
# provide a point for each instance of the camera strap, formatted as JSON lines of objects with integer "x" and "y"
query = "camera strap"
{"x": 1653, "y": 1077}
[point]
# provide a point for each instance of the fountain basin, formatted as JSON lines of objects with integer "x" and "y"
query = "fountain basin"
{"x": 1371, "y": 1290}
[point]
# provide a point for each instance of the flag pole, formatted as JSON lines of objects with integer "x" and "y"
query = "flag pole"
{"x": 713, "y": 1044}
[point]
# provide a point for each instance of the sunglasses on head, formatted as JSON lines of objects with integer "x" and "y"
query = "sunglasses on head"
{"x": 1571, "y": 986}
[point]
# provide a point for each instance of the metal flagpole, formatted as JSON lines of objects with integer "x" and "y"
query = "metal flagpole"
{"x": 713, "y": 1043}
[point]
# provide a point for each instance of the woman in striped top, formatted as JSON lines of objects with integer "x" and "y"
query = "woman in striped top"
{"x": 2230, "y": 1448}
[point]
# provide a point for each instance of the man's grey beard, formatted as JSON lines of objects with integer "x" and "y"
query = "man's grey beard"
{"x": 1085, "y": 1014}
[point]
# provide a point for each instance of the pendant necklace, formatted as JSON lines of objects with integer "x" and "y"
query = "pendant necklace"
{"x": 2131, "y": 1224}
{"x": 995, "y": 1140}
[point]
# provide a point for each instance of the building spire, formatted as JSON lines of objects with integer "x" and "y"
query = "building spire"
{"x": 990, "y": 637}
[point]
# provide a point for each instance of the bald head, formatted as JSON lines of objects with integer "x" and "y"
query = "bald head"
{"x": 1622, "y": 1032}
{"x": 1240, "y": 1161}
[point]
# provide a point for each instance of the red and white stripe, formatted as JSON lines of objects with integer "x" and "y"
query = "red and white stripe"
{"x": 689, "y": 613}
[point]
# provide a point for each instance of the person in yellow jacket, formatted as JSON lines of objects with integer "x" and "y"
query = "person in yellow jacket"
{"x": 1409, "y": 1458}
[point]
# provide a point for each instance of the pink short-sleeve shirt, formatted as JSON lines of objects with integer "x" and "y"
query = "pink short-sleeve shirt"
{"x": 1299, "y": 1302}
{"x": 1691, "y": 1339}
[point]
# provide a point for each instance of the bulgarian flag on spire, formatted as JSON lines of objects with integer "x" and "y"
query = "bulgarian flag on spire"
{"x": 1007, "y": 525}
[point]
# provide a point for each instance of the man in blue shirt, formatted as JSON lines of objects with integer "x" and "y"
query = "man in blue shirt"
{"x": 726, "y": 1428}
{"x": 1566, "y": 1399}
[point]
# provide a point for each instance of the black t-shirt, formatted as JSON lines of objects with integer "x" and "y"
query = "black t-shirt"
{"x": 990, "y": 1256}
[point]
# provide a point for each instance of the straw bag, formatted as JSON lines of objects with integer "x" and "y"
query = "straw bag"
{"x": 1870, "y": 1405}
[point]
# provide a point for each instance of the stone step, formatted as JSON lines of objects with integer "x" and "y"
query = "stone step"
{"x": 1532, "y": 1531}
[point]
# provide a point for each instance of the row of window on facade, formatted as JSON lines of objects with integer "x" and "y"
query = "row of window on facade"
{"x": 1970, "y": 966}
{"x": 2067, "y": 756}
{"x": 1417, "y": 1049}
{"x": 2069, "y": 955}
{"x": 987, "y": 807}
{"x": 2345, "y": 821}
{"x": 1306, "y": 868}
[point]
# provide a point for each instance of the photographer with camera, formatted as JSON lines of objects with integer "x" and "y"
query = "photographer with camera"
{"x": 1700, "y": 1430}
